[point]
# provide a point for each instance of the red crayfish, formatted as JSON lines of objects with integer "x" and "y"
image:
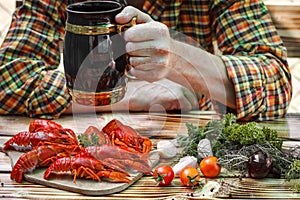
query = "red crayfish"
{"x": 126, "y": 137}
{"x": 41, "y": 131}
{"x": 118, "y": 157}
{"x": 40, "y": 156}
{"x": 121, "y": 149}
{"x": 87, "y": 167}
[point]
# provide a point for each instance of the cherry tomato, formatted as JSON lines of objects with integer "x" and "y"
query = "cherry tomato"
{"x": 163, "y": 174}
{"x": 189, "y": 176}
{"x": 209, "y": 167}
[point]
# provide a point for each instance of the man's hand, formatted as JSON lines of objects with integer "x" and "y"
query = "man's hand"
{"x": 163, "y": 95}
{"x": 160, "y": 96}
{"x": 148, "y": 45}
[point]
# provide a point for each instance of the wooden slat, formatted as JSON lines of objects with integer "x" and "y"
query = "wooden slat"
{"x": 286, "y": 17}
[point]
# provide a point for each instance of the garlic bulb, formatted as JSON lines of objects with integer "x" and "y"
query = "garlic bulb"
{"x": 166, "y": 149}
{"x": 183, "y": 162}
{"x": 204, "y": 148}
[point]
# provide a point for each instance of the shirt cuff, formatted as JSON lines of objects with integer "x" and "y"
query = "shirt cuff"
{"x": 51, "y": 98}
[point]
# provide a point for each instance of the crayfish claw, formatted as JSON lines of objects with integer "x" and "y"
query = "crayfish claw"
{"x": 126, "y": 137}
{"x": 114, "y": 176}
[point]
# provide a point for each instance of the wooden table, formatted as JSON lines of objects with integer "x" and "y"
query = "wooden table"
{"x": 158, "y": 126}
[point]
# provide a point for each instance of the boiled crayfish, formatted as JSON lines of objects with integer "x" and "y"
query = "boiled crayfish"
{"x": 118, "y": 157}
{"x": 121, "y": 149}
{"x": 88, "y": 167}
{"x": 126, "y": 137}
{"x": 40, "y": 156}
{"x": 41, "y": 131}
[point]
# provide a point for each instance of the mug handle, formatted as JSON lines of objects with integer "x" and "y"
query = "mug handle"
{"x": 120, "y": 29}
{"x": 123, "y": 27}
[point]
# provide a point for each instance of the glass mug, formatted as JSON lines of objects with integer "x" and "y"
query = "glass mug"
{"x": 94, "y": 53}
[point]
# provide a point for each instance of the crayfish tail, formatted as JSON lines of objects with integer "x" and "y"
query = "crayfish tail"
{"x": 19, "y": 142}
{"x": 26, "y": 163}
{"x": 17, "y": 174}
{"x": 60, "y": 165}
{"x": 7, "y": 146}
{"x": 18, "y": 170}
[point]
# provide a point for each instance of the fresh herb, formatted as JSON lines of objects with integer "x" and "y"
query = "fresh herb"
{"x": 88, "y": 140}
{"x": 295, "y": 185}
{"x": 250, "y": 133}
{"x": 293, "y": 175}
{"x": 245, "y": 134}
{"x": 294, "y": 170}
{"x": 229, "y": 119}
{"x": 211, "y": 131}
{"x": 190, "y": 142}
{"x": 236, "y": 157}
{"x": 233, "y": 144}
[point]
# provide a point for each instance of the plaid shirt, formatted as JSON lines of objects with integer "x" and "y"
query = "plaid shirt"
{"x": 245, "y": 39}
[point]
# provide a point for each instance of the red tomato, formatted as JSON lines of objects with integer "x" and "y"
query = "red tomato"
{"x": 163, "y": 174}
{"x": 209, "y": 167}
{"x": 189, "y": 176}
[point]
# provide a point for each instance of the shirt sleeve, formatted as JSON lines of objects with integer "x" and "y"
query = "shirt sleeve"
{"x": 255, "y": 58}
{"x": 29, "y": 57}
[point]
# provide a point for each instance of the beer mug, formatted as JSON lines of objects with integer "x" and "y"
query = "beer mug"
{"x": 94, "y": 53}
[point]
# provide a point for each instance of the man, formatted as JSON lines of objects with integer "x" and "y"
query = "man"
{"x": 246, "y": 74}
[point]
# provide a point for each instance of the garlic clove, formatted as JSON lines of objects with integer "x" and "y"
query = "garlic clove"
{"x": 183, "y": 162}
{"x": 166, "y": 149}
{"x": 204, "y": 148}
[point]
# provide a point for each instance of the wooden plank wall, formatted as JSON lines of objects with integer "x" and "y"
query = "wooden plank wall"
{"x": 286, "y": 17}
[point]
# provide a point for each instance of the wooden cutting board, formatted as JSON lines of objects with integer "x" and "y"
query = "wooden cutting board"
{"x": 83, "y": 186}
